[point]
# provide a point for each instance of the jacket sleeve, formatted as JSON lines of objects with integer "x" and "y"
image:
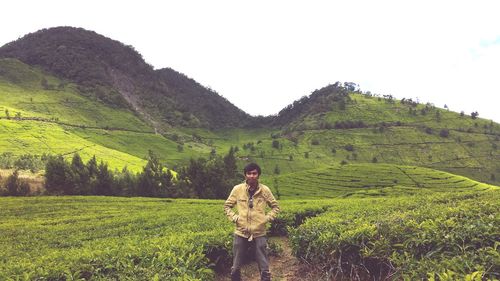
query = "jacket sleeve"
{"x": 229, "y": 204}
{"x": 273, "y": 204}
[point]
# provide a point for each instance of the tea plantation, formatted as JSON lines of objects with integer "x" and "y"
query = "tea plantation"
{"x": 442, "y": 235}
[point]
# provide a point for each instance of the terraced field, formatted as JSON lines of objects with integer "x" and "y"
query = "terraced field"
{"x": 446, "y": 236}
{"x": 102, "y": 238}
{"x": 369, "y": 180}
{"x": 65, "y": 238}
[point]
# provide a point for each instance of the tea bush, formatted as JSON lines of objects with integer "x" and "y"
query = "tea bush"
{"x": 405, "y": 238}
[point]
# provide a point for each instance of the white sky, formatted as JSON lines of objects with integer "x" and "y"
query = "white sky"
{"x": 263, "y": 55}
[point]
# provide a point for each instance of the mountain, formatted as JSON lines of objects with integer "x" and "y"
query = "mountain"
{"x": 118, "y": 76}
{"x": 65, "y": 90}
{"x": 201, "y": 102}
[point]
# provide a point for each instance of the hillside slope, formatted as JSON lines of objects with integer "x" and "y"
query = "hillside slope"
{"x": 117, "y": 75}
{"x": 334, "y": 125}
{"x": 37, "y": 119}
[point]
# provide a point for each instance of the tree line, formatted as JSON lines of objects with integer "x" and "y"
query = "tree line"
{"x": 201, "y": 178}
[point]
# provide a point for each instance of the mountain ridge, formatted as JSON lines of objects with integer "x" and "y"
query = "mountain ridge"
{"x": 118, "y": 75}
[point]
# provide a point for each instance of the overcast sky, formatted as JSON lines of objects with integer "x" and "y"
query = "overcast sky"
{"x": 263, "y": 55}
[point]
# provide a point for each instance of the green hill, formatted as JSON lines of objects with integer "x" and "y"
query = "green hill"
{"x": 118, "y": 76}
{"x": 334, "y": 126}
{"x": 77, "y": 91}
{"x": 59, "y": 120}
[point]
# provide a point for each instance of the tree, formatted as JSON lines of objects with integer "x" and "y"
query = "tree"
{"x": 92, "y": 167}
{"x": 213, "y": 153}
{"x": 125, "y": 183}
{"x": 155, "y": 179}
{"x": 103, "y": 184}
{"x": 16, "y": 186}
{"x": 444, "y": 133}
{"x": 149, "y": 179}
{"x": 276, "y": 170}
{"x": 350, "y": 86}
{"x": 7, "y": 114}
{"x": 276, "y": 144}
{"x": 81, "y": 177}
{"x": 438, "y": 116}
{"x": 230, "y": 167}
{"x": 212, "y": 178}
{"x": 474, "y": 115}
{"x": 58, "y": 176}
{"x": 276, "y": 187}
{"x": 7, "y": 160}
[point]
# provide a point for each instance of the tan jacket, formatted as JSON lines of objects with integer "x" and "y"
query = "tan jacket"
{"x": 251, "y": 222}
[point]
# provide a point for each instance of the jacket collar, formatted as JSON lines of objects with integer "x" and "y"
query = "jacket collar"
{"x": 247, "y": 187}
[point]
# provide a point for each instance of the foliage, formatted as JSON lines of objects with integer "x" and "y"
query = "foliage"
{"x": 155, "y": 180}
{"x": 202, "y": 178}
{"x": 322, "y": 100}
{"x": 407, "y": 238}
{"x": 414, "y": 237}
{"x": 212, "y": 178}
{"x": 14, "y": 186}
{"x": 276, "y": 144}
{"x": 444, "y": 133}
{"x": 111, "y": 238}
{"x": 31, "y": 162}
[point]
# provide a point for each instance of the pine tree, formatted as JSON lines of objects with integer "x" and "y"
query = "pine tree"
{"x": 12, "y": 184}
{"x": 153, "y": 181}
{"x": 81, "y": 178}
{"x": 230, "y": 167}
{"x": 58, "y": 176}
{"x": 92, "y": 174}
{"x": 126, "y": 183}
{"x": 104, "y": 180}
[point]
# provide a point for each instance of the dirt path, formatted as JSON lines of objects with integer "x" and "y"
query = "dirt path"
{"x": 284, "y": 267}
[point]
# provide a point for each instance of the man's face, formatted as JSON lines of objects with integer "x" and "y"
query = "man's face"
{"x": 251, "y": 177}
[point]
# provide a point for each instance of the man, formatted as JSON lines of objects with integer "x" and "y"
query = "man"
{"x": 251, "y": 198}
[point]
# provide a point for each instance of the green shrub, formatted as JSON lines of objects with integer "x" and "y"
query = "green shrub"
{"x": 407, "y": 238}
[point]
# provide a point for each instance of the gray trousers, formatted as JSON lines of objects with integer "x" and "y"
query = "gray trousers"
{"x": 240, "y": 251}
